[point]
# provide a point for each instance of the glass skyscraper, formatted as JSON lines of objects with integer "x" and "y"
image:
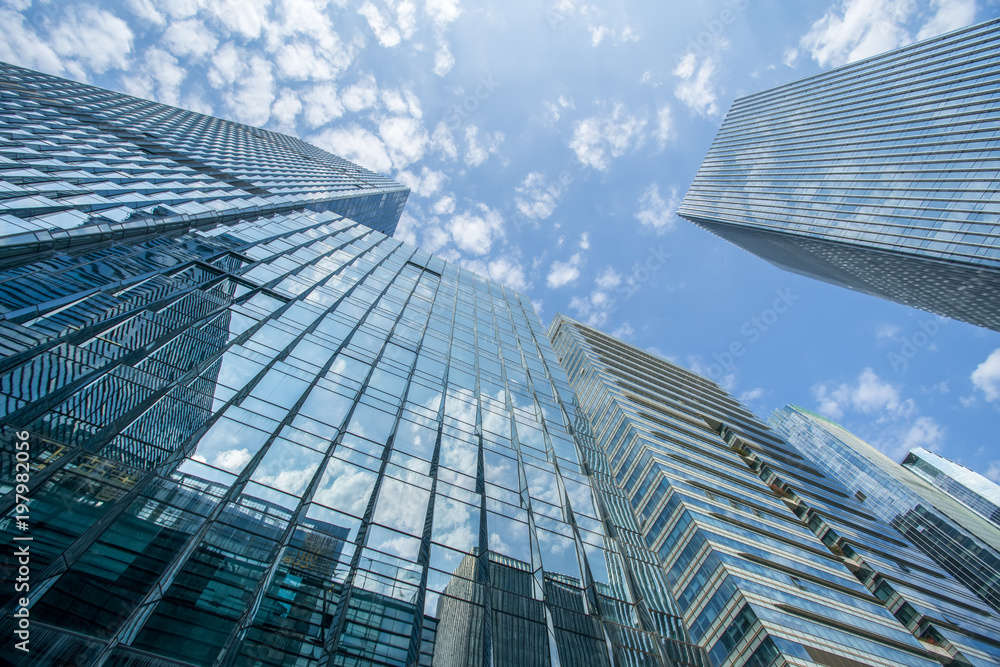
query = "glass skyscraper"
{"x": 771, "y": 560}
{"x": 975, "y": 491}
{"x": 958, "y": 539}
{"x": 80, "y": 164}
{"x": 882, "y": 176}
{"x": 260, "y": 431}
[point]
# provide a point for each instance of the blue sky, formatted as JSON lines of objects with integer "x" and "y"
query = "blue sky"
{"x": 548, "y": 144}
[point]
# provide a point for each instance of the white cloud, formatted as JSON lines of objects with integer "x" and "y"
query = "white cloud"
{"x": 424, "y": 185}
{"x": 393, "y": 100}
{"x": 361, "y": 95}
{"x": 609, "y": 279}
{"x": 406, "y": 229}
{"x": 254, "y": 92}
{"x": 664, "y": 131}
{"x": 434, "y": 238}
{"x": 21, "y": 46}
{"x": 406, "y": 17}
{"x": 553, "y": 112}
{"x": 195, "y": 101}
{"x": 244, "y": 17}
{"x": 180, "y": 9}
{"x": 923, "y": 432}
{"x": 443, "y": 141}
{"x": 232, "y": 460}
{"x": 322, "y": 105}
{"x": 159, "y": 78}
{"x": 751, "y": 395}
{"x": 405, "y": 138}
{"x": 477, "y": 153}
{"x": 595, "y": 308}
{"x": 85, "y": 39}
{"x": 627, "y": 34}
{"x": 564, "y": 273}
{"x": 225, "y": 66}
{"x": 828, "y": 405}
{"x": 993, "y": 472}
{"x": 304, "y": 41}
{"x": 790, "y": 57}
{"x": 444, "y": 206}
{"x": 624, "y": 332}
{"x": 413, "y": 104}
{"x": 696, "y": 85}
{"x": 475, "y": 231}
{"x": 857, "y": 29}
{"x": 654, "y": 212}
{"x": 948, "y": 15}
{"x": 986, "y": 377}
{"x": 598, "y": 33}
{"x": 288, "y": 480}
{"x": 887, "y": 331}
{"x": 190, "y": 38}
{"x": 356, "y": 144}
{"x": 286, "y": 109}
{"x": 345, "y": 487}
{"x": 505, "y": 270}
{"x": 443, "y": 59}
{"x": 870, "y": 394}
{"x": 536, "y": 198}
{"x": 297, "y": 60}
{"x": 442, "y": 12}
{"x": 897, "y": 427}
{"x": 585, "y": 241}
{"x": 144, "y": 9}
{"x": 598, "y": 137}
{"x": 384, "y": 31}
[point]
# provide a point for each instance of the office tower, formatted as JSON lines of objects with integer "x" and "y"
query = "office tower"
{"x": 81, "y": 164}
{"x": 261, "y": 432}
{"x": 975, "y": 491}
{"x": 768, "y": 558}
{"x": 880, "y": 176}
{"x": 959, "y": 540}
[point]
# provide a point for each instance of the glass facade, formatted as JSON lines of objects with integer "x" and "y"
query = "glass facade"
{"x": 80, "y": 164}
{"x": 295, "y": 440}
{"x": 959, "y": 540}
{"x": 770, "y": 560}
{"x": 972, "y": 489}
{"x": 261, "y": 432}
{"x": 881, "y": 176}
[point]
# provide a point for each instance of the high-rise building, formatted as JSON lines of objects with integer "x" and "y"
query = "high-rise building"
{"x": 958, "y": 539}
{"x": 975, "y": 491}
{"x": 81, "y": 164}
{"x": 771, "y": 560}
{"x": 882, "y": 176}
{"x": 259, "y": 431}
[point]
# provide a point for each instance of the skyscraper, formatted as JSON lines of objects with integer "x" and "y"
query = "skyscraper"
{"x": 81, "y": 164}
{"x": 975, "y": 491}
{"x": 958, "y": 539}
{"x": 262, "y": 432}
{"x": 882, "y": 176}
{"x": 768, "y": 557}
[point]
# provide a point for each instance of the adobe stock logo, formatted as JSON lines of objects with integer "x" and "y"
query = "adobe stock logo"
{"x": 751, "y": 330}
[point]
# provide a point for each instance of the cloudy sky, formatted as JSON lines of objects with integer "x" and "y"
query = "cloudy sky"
{"x": 547, "y": 145}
